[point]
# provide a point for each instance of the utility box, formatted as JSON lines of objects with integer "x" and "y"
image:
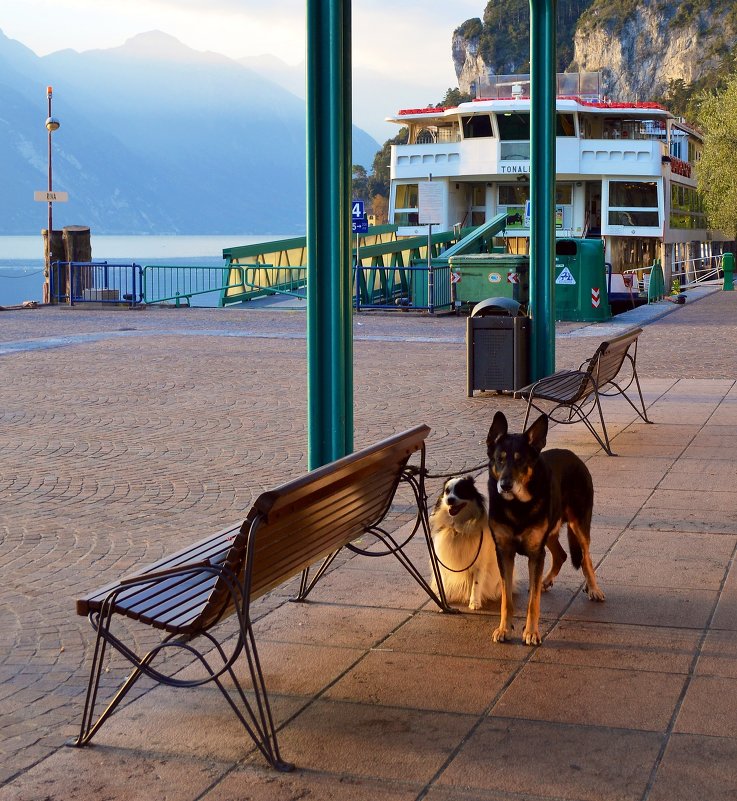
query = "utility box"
{"x": 505, "y": 274}
{"x": 497, "y": 347}
{"x": 581, "y": 281}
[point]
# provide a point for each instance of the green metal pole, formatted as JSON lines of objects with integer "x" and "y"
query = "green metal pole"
{"x": 329, "y": 268}
{"x": 542, "y": 187}
{"x": 728, "y": 268}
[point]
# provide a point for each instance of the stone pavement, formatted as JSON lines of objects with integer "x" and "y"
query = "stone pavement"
{"x": 125, "y": 434}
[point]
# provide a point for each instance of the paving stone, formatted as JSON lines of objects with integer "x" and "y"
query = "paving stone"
{"x": 552, "y": 760}
{"x": 697, "y": 767}
{"x": 123, "y": 445}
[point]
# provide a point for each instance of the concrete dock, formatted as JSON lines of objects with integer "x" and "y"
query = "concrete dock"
{"x": 127, "y": 434}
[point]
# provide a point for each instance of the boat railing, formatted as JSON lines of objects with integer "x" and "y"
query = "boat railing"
{"x": 701, "y": 270}
{"x": 688, "y": 273}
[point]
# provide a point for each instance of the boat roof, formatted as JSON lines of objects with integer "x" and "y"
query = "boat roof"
{"x": 640, "y": 110}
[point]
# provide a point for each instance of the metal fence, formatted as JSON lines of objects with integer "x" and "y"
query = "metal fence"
{"x": 95, "y": 282}
{"x": 167, "y": 283}
{"x": 417, "y": 286}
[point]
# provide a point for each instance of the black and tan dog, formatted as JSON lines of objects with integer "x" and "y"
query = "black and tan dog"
{"x": 531, "y": 494}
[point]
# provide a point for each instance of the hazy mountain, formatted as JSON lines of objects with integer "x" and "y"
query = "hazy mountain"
{"x": 154, "y": 138}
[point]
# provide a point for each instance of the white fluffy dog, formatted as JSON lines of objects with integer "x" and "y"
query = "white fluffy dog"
{"x": 460, "y": 532}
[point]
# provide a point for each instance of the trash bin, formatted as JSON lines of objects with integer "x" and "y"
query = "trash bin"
{"x": 581, "y": 281}
{"x": 506, "y": 274}
{"x": 497, "y": 346}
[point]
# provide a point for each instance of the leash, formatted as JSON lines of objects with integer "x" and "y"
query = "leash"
{"x": 469, "y": 565}
{"x": 427, "y": 474}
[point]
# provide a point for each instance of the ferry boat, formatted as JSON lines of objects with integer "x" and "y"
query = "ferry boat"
{"x": 625, "y": 172}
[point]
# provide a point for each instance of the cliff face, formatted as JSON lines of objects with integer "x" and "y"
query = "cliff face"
{"x": 641, "y": 53}
{"x": 639, "y": 46}
{"x": 468, "y": 62}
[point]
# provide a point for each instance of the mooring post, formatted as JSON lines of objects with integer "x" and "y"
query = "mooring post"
{"x": 542, "y": 187}
{"x": 329, "y": 268}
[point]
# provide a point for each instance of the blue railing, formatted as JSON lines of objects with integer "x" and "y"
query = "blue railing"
{"x": 95, "y": 282}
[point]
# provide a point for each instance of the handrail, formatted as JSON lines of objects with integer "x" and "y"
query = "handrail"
{"x": 691, "y": 275}
{"x": 181, "y": 282}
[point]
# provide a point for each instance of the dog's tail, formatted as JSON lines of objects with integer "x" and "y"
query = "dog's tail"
{"x": 574, "y": 549}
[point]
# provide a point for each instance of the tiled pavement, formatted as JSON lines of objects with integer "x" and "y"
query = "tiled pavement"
{"x": 126, "y": 433}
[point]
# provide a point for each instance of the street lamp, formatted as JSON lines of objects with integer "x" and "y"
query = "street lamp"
{"x": 52, "y": 124}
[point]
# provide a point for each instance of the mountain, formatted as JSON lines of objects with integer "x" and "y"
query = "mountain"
{"x": 644, "y": 49}
{"x": 154, "y": 138}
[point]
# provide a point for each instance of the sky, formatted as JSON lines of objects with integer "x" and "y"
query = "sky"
{"x": 403, "y": 46}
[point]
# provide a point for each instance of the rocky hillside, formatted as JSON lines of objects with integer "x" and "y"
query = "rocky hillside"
{"x": 645, "y": 49}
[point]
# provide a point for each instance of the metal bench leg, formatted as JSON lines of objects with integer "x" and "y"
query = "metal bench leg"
{"x": 88, "y": 729}
{"x": 259, "y": 722}
{"x": 605, "y": 442}
{"x": 305, "y": 585}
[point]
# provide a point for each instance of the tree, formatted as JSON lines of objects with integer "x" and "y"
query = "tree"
{"x": 718, "y": 183}
{"x": 360, "y": 182}
{"x": 380, "y": 208}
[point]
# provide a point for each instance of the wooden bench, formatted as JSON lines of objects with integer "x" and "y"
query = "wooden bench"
{"x": 576, "y": 393}
{"x": 288, "y": 529}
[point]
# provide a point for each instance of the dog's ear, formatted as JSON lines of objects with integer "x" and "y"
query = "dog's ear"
{"x": 537, "y": 433}
{"x": 498, "y": 430}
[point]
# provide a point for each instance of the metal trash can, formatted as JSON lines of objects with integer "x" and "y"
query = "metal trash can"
{"x": 478, "y": 274}
{"x": 581, "y": 281}
{"x": 497, "y": 347}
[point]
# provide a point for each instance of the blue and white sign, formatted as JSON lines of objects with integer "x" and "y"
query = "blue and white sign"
{"x": 360, "y": 226}
{"x": 357, "y": 210}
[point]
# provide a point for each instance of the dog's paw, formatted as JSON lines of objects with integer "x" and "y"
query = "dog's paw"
{"x": 500, "y": 635}
{"x": 547, "y": 584}
{"x": 595, "y": 594}
{"x": 474, "y": 605}
{"x": 531, "y": 638}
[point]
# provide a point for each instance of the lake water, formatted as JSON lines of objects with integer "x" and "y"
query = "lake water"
{"x": 22, "y": 263}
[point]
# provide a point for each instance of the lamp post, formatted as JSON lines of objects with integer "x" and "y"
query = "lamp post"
{"x": 52, "y": 125}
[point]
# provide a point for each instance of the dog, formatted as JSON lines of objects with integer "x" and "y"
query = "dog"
{"x": 531, "y": 494}
{"x": 459, "y": 526}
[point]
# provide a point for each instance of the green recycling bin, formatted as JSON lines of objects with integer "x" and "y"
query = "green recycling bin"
{"x": 581, "y": 281}
{"x": 483, "y": 275}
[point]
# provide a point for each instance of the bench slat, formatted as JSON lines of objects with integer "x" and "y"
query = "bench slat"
{"x": 571, "y": 388}
{"x": 295, "y": 525}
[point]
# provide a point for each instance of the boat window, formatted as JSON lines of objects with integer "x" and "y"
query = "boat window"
{"x": 406, "y": 204}
{"x": 565, "y": 125}
{"x": 513, "y": 194}
{"x": 633, "y": 203}
{"x": 513, "y": 200}
{"x": 407, "y": 196}
{"x": 618, "y": 128}
{"x": 640, "y": 194}
{"x": 513, "y": 126}
{"x": 477, "y": 126}
{"x": 478, "y": 204}
{"x": 686, "y": 207}
{"x": 564, "y": 193}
